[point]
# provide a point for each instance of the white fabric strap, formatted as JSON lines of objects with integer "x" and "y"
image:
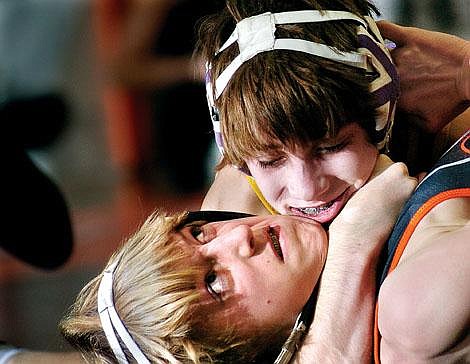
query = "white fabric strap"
{"x": 322, "y": 50}
{"x": 256, "y": 35}
{"x": 314, "y": 16}
{"x": 8, "y": 353}
{"x": 301, "y": 16}
{"x": 111, "y": 322}
{"x": 216, "y": 126}
{"x": 317, "y": 49}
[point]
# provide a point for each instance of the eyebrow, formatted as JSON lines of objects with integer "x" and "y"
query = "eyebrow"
{"x": 195, "y": 223}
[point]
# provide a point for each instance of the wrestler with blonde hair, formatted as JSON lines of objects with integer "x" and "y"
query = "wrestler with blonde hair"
{"x": 214, "y": 286}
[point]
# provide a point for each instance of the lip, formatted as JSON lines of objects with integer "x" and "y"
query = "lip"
{"x": 273, "y": 233}
{"x": 324, "y": 216}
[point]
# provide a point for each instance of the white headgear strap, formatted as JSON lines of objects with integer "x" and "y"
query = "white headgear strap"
{"x": 256, "y": 34}
{"x": 111, "y": 322}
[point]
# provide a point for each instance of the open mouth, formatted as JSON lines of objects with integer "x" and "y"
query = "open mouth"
{"x": 273, "y": 233}
{"x": 325, "y": 212}
{"x": 315, "y": 210}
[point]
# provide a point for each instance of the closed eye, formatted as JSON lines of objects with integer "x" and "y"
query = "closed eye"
{"x": 331, "y": 148}
{"x": 271, "y": 163}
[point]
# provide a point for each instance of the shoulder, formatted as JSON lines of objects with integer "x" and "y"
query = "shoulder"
{"x": 230, "y": 191}
{"x": 444, "y": 219}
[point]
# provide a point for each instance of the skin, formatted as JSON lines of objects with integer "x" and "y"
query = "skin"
{"x": 355, "y": 240}
{"x": 435, "y": 95}
{"x": 347, "y": 285}
{"x": 342, "y": 325}
{"x": 230, "y": 191}
{"x": 438, "y": 247}
{"x": 439, "y": 244}
{"x": 322, "y": 176}
{"x": 433, "y": 115}
{"x": 434, "y": 71}
{"x": 242, "y": 270}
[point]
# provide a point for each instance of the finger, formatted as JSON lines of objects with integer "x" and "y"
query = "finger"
{"x": 392, "y": 31}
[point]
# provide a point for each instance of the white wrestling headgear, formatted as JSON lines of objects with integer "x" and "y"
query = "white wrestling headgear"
{"x": 112, "y": 323}
{"x": 255, "y": 35}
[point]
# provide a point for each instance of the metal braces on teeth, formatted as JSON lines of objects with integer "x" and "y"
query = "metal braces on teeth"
{"x": 315, "y": 210}
{"x": 275, "y": 240}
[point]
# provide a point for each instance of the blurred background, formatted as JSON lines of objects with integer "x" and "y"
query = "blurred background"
{"x": 105, "y": 99}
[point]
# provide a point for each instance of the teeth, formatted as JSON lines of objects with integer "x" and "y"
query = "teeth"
{"x": 275, "y": 241}
{"x": 315, "y": 210}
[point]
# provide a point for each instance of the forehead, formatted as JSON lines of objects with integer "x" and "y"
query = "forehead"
{"x": 183, "y": 237}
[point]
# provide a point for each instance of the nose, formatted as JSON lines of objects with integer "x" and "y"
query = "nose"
{"x": 306, "y": 181}
{"x": 237, "y": 242}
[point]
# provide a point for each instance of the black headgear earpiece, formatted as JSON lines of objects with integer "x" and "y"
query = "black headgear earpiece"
{"x": 212, "y": 216}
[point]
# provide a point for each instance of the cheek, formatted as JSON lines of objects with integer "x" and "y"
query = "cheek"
{"x": 269, "y": 182}
{"x": 280, "y": 298}
{"x": 367, "y": 158}
{"x": 263, "y": 283}
{"x": 276, "y": 305}
{"x": 357, "y": 166}
{"x": 270, "y": 188}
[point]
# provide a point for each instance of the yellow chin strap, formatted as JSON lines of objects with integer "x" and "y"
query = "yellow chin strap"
{"x": 258, "y": 193}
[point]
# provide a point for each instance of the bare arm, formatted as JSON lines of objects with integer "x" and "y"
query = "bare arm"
{"x": 341, "y": 331}
{"x": 231, "y": 191}
{"x": 424, "y": 304}
{"x": 434, "y": 70}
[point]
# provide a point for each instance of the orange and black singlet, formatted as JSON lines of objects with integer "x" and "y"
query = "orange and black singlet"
{"x": 449, "y": 178}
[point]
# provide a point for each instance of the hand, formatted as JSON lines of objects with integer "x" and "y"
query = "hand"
{"x": 367, "y": 219}
{"x": 342, "y": 325}
{"x": 434, "y": 70}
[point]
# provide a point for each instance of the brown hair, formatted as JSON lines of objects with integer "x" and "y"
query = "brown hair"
{"x": 280, "y": 98}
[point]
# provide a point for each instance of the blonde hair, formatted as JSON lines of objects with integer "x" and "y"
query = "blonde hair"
{"x": 155, "y": 296}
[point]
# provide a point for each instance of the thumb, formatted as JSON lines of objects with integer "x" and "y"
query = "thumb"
{"x": 392, "y": 31}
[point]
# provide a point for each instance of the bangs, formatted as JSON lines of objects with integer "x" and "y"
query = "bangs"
{"x": 157, "y": 279}
{"x": 279, "y": 99}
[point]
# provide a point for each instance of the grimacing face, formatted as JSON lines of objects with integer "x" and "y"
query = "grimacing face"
{"x": 258, "y": 272}
{"x": 316, "y": 181}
